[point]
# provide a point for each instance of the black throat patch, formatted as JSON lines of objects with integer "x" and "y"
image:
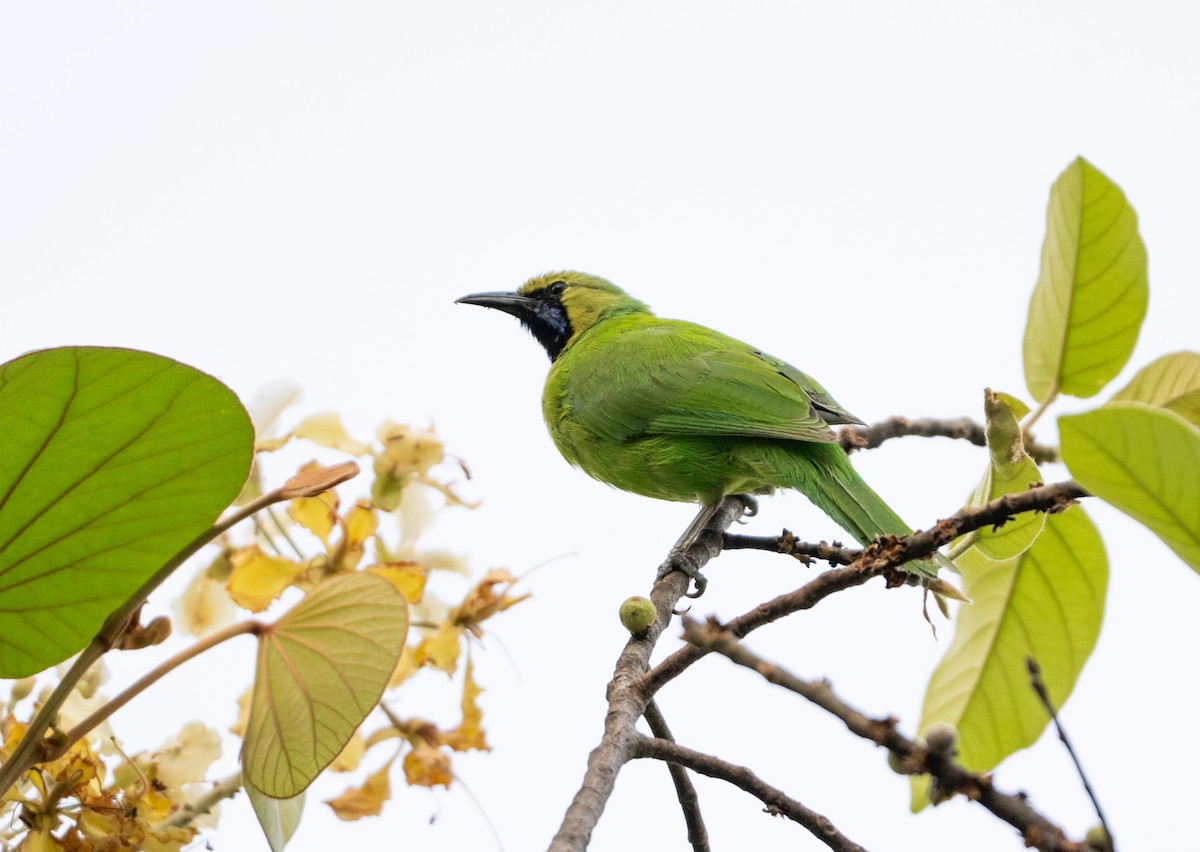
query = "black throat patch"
{"x": 547, "y": 320}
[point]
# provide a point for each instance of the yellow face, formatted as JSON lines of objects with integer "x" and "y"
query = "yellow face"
{"x": 584, "y": 298}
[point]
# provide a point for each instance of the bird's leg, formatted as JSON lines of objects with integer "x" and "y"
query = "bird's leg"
{"x": 677, "y": 559}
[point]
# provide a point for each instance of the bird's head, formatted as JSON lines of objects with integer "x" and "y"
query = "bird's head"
{"x": 559, "y": 306}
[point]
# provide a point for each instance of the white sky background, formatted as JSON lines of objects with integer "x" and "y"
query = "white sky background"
{"x": 299, "y": 191}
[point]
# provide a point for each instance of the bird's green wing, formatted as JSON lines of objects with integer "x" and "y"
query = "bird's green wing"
{"x": 676, "y": 378}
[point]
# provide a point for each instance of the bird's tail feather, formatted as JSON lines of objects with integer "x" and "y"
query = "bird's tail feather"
{"x": 823, "y": 473}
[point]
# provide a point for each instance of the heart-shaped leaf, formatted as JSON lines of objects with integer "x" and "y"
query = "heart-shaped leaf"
{"x": 1146, "y": 462}
{"x": 321, "y": 669}
{"x": 111, "y": 461}
{"x": 1091, "y": 292}
{"x": 1047, "y": 603}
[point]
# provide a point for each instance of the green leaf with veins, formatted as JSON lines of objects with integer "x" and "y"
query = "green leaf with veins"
{"x": 1090, "y": 298}
{"x": 1146, "y": 462}
{"x": 112, "y": 461}
{"x": 1047, "y": 603}
{"x": 321, "y": 669}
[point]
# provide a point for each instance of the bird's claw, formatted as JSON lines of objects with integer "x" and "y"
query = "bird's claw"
{"x": 680, "y": 562}
{"x": 751, "y": 507}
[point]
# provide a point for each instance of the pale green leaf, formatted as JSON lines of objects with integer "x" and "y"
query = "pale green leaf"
{"x": 112, "y": 460}
{"x": 1047, "y": 603}
{"x": 279, "y": 818}
{"x": 1091, "y": 292}
{"x": 1015, "y": 404}
{"x": 1146, "y": 462}
{"x": 1171, "y": 382}
{"x": 1010, "y": 471}
{"x": 321, "y": 669}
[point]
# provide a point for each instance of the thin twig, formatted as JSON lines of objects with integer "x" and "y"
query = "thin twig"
{"x": 685, "y": 791}
{"x": 226, "y": 788}
{"x": 962, "y": 428}
{"x": 775, "y": 800}
{"x": 951, "y": 776}
{"x": 786, "y": 542}
{"x": 1039, "y": 686}
{"x": 147, "y": 680}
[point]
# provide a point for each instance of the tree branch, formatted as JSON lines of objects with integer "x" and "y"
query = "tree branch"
{"x": 963, "y": 428}
{"x": 883, "y": 557}
{"x": 633, "y": 684}
{"x": 916, "y": 758}
{"x": 627, "y": 696}
{"x": 741, "y": 777}
{"x": 685, "y": 791}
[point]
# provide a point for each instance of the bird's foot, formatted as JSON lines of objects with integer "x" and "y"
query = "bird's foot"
{"x": 751, "y": 507}
{"x": 678, "y": 561}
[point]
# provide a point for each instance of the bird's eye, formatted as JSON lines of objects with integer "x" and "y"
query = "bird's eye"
{"x": 557, "y": 288}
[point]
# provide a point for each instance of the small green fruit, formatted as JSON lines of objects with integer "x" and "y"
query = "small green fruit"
{"x": 1097, "y": 838}
{"x": 637, "y": 614}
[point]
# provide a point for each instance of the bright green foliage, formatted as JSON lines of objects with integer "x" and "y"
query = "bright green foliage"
{"x": 1092, "y": 289}
{"x": 1171, "y": 382}
{"x": 1048, "y": 602}
{"x": 321, "y": 669}
{"x": 1010, "y": 470}
{"x": 112, "y": 460}
{"x": 1146, "y": 462}
{"x": 279, "y": 818}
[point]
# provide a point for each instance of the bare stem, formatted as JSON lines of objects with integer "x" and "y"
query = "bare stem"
{"x": 150, "y": 678}
{"x": 1039, "y": 686}
{"x": 226, "y": 788}
{"x": 685, "y": 791}
{"x": 962, "y": 428}
{"x": 775, "y": 800}
{"x": 1047, "y": 401}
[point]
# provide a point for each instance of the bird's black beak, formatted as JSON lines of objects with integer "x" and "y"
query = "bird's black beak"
{"x": 545, "y": 318}
{"x": 509, "y": 302}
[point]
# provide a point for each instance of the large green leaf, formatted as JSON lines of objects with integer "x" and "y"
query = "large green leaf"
{"x": 1146, "y": 462}
{"x": 111, "y": 461}
{"x": 1171, "y": 382}
{"x": 321, "y": 669}
{"x": 279, "y": 818}
{"x": 1047, "y": 603}
{"x": 1091, "y": 292}
{"x": 1010, "y": 470}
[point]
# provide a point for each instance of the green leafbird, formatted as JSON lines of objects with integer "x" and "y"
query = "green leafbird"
{"x": 673, "y": 410}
